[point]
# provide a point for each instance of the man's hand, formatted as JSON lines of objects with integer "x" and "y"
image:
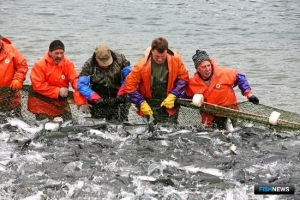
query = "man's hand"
{"x": 63, "y": 92}
{"x": 101, "y": 102}
{"x": 85, "y": 108}
{"x": 146, "y": 109}
{"x": 169, "y": 101}
{"x": 120, "y": 99}
{"x": 253, "y": 99}
{"x": 16, "y": 84}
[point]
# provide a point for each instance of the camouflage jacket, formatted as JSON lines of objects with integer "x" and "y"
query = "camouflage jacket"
{"x": 105, "y": 82}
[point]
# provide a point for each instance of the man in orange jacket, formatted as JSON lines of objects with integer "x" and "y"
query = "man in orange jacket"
{"x": 160, "y": 75}
{"x": 216, "y": 84}
{"x": 50, "y": 78}
{"x": 13, "y": 72}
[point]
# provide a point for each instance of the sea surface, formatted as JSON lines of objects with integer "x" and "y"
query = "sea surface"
{"x": 259, "y": 38}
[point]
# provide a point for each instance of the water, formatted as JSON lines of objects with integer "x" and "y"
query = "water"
{"x": 259, "y": 38}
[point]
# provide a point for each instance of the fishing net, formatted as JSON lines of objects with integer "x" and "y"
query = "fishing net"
{"x": 189, "y": 114}
{"x": 247, "y": 112}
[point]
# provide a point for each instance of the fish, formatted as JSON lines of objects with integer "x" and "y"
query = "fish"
{"x": 228, "y": 125}
{"x": 52, "y": 126}
{"x": 17, "y": 122}
{"x": 233, "y": 149}
{"x": 67, "y": 123}
{"x": 211, "y": 171}
{"x": 105, "y": 135}
{"x": 170, "y": 163}
{"x": 146, "y": 178}
{"x": 2, "y": 168}
{"x": 38, "y": 196}
{"x": 21, "y": 125}
{"x": 34, "y": 130}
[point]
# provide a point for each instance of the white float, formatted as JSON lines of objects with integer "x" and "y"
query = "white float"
{"x": 197, "y": 100}
{"x": 274, "y": 117}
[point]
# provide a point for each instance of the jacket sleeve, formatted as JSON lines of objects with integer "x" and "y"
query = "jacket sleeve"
{"x": 182, "y": 79}
{"x": 73, "y": 79}
{"x": 179, "y": 87}
{"x": 124, "y": 62}
{"x": 125, "y": 71}
{"x": 83, "y": 85}
{"x": 242, "y": 83}
{"x": 136, "y": 98}
{"x": 131, "y": 85}
{"x": 39, "y": 83}
{"x": 21, "y": 66}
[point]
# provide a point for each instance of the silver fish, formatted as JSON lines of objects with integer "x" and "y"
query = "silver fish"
{"x": 23, "y": 125}
{"x": 17, "y": 122}
{"x": 228, "y": 125}
{"x": 211, "y": 171}
{"x": 52, "y": 126}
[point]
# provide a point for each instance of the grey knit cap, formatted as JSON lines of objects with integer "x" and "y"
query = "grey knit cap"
{"x": 199, "y": 57}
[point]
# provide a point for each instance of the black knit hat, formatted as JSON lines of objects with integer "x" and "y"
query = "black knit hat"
{"x": 199, "y": 57}
{"x": 56, "y": 44}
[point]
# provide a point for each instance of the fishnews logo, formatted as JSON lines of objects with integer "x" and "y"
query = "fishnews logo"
{"x": 274, "y": 189}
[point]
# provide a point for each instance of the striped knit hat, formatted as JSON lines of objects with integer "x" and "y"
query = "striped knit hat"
{"x": 199, "y": 57}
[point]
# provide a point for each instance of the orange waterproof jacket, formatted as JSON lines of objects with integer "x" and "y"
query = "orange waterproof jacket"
{"x": 13, "y": 65}
{"x": 140, "y": 76}
{"x": 47, "y": 78}
{"x": 219, "y": 91}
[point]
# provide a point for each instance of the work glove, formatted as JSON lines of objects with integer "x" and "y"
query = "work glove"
{"x": 16, "y": 84}
{"x": 63, "y": 92}
{"x": 253, "y": 99}
{"x": 169, "y": 101}
{"x": 85, "y": 108}
{"x": 120, "y": 99}
{"x": 146, "y": 109}
{"x": 101, "y": 102}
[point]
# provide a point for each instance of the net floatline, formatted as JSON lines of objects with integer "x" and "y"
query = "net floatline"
{"x": 250, "y": 112}
{"x": 189, "y": 115}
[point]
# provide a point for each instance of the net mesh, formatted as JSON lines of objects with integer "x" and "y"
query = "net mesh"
{"x": 189, "y": 115}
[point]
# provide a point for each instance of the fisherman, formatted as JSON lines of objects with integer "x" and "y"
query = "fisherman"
{"x": 14, "y": 68}
{"x": 160, "y": 75}
{"x": 50, "y": 78}
{"x": 216, "y": 84}
{"x": 101, "y": 80}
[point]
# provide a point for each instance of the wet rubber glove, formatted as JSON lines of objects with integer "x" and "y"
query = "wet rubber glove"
{"x": 169, "y": 101}
{"x": 146, "y": 109}
{"x": 253, "y": 99}
{"x": 85, "y": 108}
{"x": 16, "y": 85}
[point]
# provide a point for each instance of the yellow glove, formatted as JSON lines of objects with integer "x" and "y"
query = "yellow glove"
{"x": 16, "y": 85}
{"x": 146, "y": 109}
{"x": 169, "y": 101}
